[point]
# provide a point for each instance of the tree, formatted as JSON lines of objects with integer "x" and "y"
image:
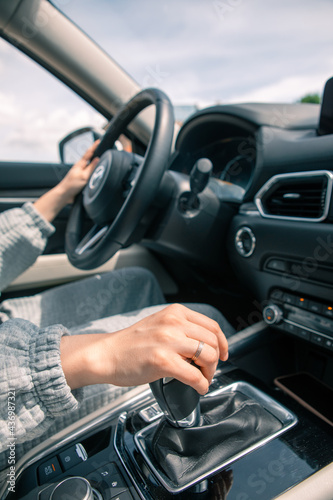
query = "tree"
{"x": 312, "y": 98}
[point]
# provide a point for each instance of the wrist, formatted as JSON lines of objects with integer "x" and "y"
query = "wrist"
{"x": 63, "y": 194}
{"x": 52, "y": 202}
{"x": 82, "y": 359}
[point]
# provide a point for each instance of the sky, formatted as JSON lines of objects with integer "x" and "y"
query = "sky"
{"x": 200, "y": 52}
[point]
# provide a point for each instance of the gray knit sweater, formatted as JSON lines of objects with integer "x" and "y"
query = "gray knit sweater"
{"x": 33, "y": 389}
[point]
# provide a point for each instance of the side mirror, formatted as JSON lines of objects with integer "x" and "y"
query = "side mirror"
{"x": 75, "y": 144}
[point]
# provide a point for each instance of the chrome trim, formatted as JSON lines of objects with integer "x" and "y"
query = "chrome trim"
{"x": 133, "y": 472}
{"x": 87, "y": 496}
{"x": 191, "y": 420}
{"x": 286, "y": 417}
{"x": 304, "y": 327}
{"x": 249, "y": 211}
{"x": 276, "y": 178}
{"x": 97, "y": 495}
{"x": 74, "y": 431}
{"x": 88, "y": 241}
{"x": 239, "y": 241}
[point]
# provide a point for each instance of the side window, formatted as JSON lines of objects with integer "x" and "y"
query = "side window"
{"x": 36, "y": 109}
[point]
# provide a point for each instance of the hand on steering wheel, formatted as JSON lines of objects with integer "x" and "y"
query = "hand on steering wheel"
{"x": 115, "y": 208}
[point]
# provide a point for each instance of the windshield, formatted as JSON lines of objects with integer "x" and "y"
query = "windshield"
{"x": 200, "y": 52}
{"x": 218, "y": 51}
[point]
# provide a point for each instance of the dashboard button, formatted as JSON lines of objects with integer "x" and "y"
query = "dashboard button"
{"x": 328, "y": 311}
{"x": 289, "y": 327}
{"x": 317, "y": 339}
{"x": 289, "y": 299}
{"x": 277, "y": 295}
{"x": 49, "y": 470}
{"x": 315, "y": 307}
{"x": 303, "y": 333}
{"x": 328, "y": 344}
{"x": 327, "y": 325}
{"x": 301, "y": 302}
{"x": 72, "y": 456}
{"x": 115, "y": 487}
{"x": 151, "y": 413}
{"x": 277, "y": 265}
{"x": 108, "y": 480}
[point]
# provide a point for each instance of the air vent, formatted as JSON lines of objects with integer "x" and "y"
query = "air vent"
{"x": 296, "y": 196}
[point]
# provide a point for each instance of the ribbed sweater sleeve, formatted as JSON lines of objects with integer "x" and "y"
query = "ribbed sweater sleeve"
{"x": 23, "y": 237}
{"x": 33, "y": 387}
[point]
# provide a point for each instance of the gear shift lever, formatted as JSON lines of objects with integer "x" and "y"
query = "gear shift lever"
{"x": 178, "y": 401}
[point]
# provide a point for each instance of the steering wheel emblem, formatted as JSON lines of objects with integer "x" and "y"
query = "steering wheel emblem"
{"x": 97, "y": 176}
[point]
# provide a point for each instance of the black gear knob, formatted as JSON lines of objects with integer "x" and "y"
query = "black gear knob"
{"x": 178, "y": 401}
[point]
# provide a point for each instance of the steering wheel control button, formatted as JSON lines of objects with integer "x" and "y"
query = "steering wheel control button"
{"x": 73, "y": 456}
{"x": 245, "y": 241}
{"x": 272, "y": 314}
{"x": 49, "y": 470}
{"x": 76, "y": 488}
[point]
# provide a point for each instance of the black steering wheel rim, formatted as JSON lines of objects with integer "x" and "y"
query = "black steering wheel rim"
{"x": 142, "y": 194}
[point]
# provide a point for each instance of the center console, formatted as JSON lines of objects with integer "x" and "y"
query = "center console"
{"x": 123, "y": 451}
{"x": 301, "y": 315}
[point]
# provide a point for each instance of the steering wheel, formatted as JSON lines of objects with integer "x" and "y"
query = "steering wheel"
{"x": 122, "y": 186}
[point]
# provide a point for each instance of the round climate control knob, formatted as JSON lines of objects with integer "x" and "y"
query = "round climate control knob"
{"x": 272, "y": 314}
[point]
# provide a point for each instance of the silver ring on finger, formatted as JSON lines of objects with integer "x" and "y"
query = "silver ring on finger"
{"x": 198, "y": 351}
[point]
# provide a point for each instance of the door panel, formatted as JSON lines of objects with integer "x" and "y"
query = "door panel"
{"x": 50, "y": 270}
{"x": 25, "y": 182}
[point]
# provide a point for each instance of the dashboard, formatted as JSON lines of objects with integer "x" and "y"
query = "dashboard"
{"x": 272, "y": 230}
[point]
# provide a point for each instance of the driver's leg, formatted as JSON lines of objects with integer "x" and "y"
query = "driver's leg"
{"x": 89, "y": 299}
{"x": 126, "y": 319}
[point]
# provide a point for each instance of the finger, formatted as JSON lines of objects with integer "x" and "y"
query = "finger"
{"x": 211, "y": 325}
{"x": 216, "y": 340}
{"x": 207, "y": 359}
{"x": 90, "y": 167}
{"x": 189, "y": 374}
{"x": 90, "y": 151}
